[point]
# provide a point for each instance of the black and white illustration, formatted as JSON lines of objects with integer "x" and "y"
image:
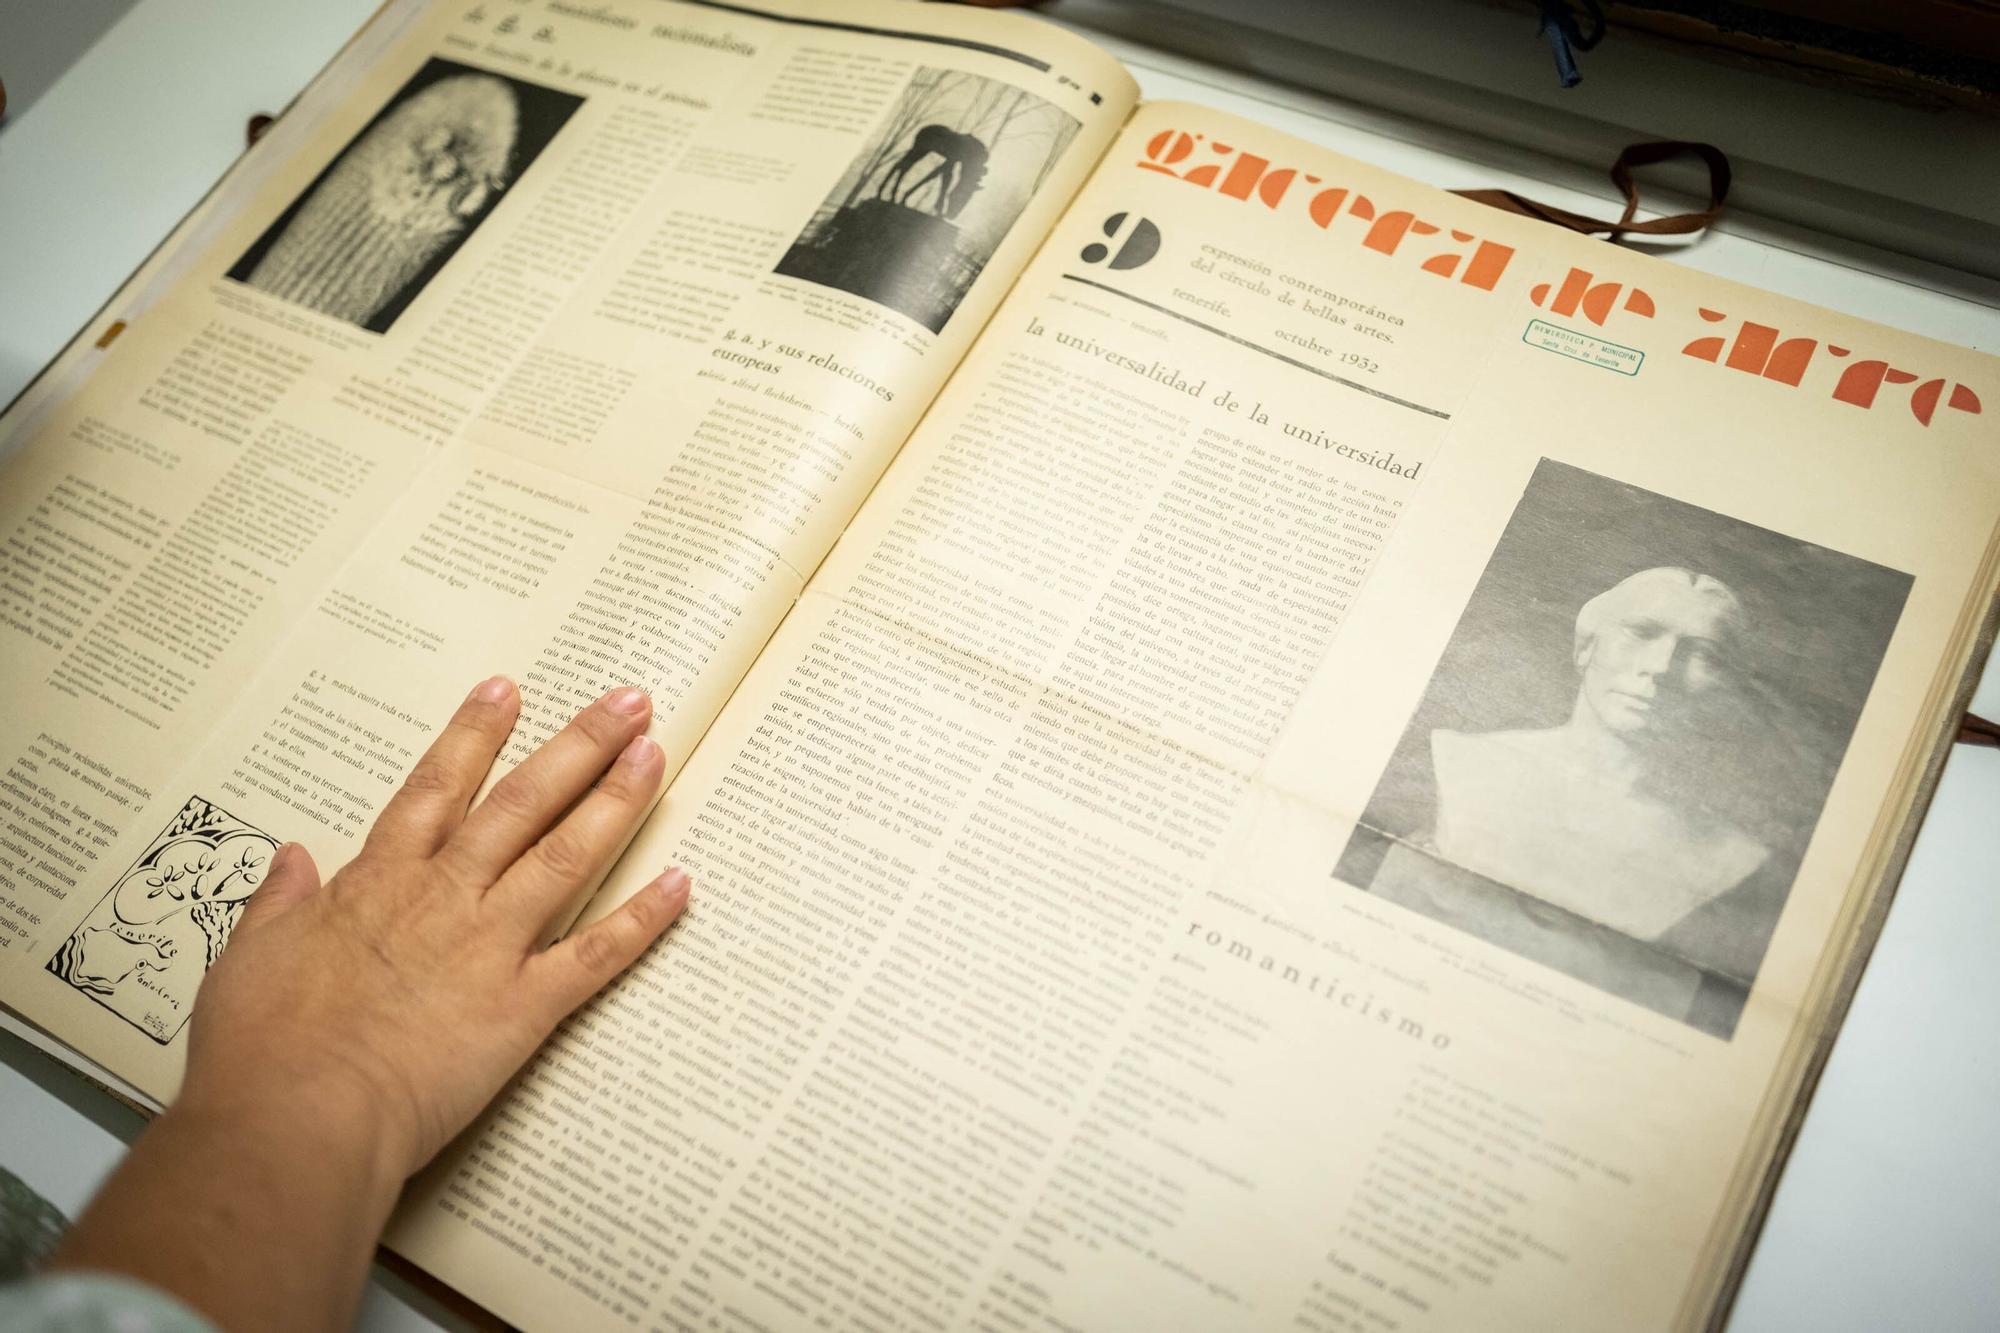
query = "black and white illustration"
{"x": 145, "y": 947}
{"x": 385, "y": 217}
{"x": 917, "y": 214}
{"x": 1628, "y": 741}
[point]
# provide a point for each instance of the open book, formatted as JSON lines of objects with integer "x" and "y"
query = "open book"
{"x": 1261, "y": 746}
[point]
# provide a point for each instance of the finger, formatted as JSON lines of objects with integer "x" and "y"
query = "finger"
{"x": 582, "y": 965}
{"x": 432, "y": 800}
{"x": 523, "y": 804}
{"x": 577, "y": 850}
{"x": 290, "y": 877}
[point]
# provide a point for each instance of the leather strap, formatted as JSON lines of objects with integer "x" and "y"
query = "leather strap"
{"x": 1635, "y": 155}
{"x": 1976, "y": 730}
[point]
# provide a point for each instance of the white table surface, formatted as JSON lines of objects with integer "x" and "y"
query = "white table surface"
{"x": 1886, "y": 1215}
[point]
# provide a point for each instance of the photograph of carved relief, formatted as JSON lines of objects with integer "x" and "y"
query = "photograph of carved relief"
{"x": 143, "y": 950}
{"x": 920, "y": 210}
{"x": 1626, "y": 745}
{"x": 383, "y": 219}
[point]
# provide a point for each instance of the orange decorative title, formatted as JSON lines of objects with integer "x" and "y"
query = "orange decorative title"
{"x": 1469, "y": 260}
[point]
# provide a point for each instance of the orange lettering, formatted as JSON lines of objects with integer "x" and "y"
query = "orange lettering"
{"x": 1757, "y": 351}
{"x": 1253, "y": 173}
{"x": 1580, "y": 291}
{"x": 1489, "y": 261}
{"x": 1324, "y": 207}
{"x": 1706, "y": 349}
{"x": 1167, "y": 149}
{"x": 1924, "y": 400}
{"x": 1390, "y": 229}
{"x": 1861, "y": 381}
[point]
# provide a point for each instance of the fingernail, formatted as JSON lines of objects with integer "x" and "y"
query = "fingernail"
{"x": 673, "y": 886}
{"x": 638, "y": 753}
{"x": 494, "y": 691}
{"x": 627, "y": 699}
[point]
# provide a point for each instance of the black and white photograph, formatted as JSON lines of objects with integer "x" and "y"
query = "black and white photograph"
{"x": 372, "y": 230}
{"x": 1628, "y": 741}
{"x": 914, "y": 218}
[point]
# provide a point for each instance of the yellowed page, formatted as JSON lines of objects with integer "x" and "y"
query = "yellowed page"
{"x": 1037, "y": 975}
{"x": 564, "y": 347}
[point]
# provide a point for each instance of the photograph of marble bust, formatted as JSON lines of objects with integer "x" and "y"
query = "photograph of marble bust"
{"x": 1569, "y": 809}
{"x": 1627, "y": 743}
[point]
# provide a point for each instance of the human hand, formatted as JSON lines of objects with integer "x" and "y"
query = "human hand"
{"x": 390, "y": 1004}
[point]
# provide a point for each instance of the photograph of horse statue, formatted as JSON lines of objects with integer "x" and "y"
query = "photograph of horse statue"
{"x": 961, "y": 167}
{"x": 916, "y": 215}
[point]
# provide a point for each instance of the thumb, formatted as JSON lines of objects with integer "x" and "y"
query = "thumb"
{"x": 290, "y": 877}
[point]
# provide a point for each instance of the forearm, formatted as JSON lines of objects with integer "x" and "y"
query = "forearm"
{"x": 258, "y": 1218}
{"x": 351, "y": 1028}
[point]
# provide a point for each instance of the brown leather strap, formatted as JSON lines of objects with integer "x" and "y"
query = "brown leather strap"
{"x": 1635, "y": 155}
{"x": 1976, "y": 730}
